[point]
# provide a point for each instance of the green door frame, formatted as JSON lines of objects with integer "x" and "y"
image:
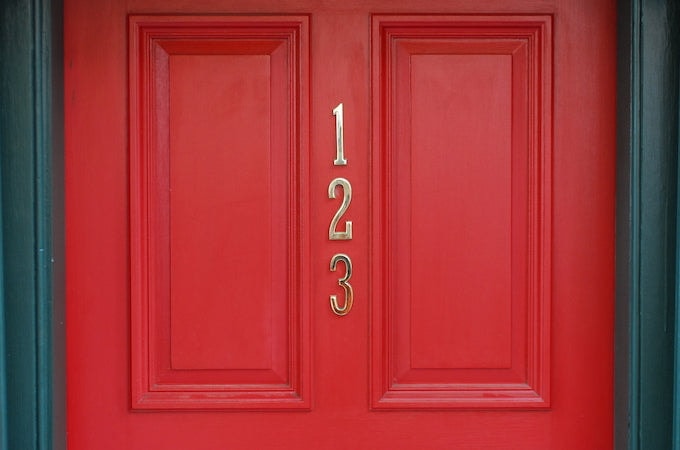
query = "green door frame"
{"x": 31, "y": 166}
{"x": 32, "y": 382}
{"x": 646, "y": 223}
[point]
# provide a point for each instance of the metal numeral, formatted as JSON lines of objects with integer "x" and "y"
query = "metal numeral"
{"x": 333, "y": 234}
{"x": 339, "y": 140}
{"x": 344, "y": 283}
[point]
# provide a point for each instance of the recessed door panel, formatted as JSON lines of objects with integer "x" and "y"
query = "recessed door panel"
{"x": 220, "y": 184}
{"x": 460, "y": 217}
{"x": 461, "y": 316}
{"x": 217, "y": 305}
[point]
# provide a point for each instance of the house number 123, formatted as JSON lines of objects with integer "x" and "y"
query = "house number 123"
{"x": 346, "y": 235}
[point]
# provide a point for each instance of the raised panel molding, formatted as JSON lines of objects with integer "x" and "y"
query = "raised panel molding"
{"x": 461, "y": 180}
{"x": 216, "y": 322}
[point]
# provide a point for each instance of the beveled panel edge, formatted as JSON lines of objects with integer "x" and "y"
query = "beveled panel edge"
{"x": 146, "y": 393}
{"x": 386, "y": 30}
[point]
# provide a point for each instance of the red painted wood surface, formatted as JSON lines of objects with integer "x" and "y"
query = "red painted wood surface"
{"x": 462, "y": 142}
{"x": 219, "y": 305}
{"x": 199, "y": 146}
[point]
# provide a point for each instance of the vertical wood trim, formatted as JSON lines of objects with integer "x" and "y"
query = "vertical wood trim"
{"x": 632, "y": 76}
{"x": 54, "y": 192}
{"x": 674, "y": 67}
{"x": 18, "y": 146}
{"x": 3, "y": 367}
{"x": 30, "y": 152}
{"x": 649, "y": 253}
{"x": 42, "y": 217}
{"x": 676, "y": 380}
{"x": 623, "y": 402}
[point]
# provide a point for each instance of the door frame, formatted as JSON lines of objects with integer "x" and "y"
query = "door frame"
{"x": 32, "y": 333}
{"x": 32, "y": 383}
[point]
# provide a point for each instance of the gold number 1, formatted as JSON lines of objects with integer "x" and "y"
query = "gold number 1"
{"x": 339, "y": 139}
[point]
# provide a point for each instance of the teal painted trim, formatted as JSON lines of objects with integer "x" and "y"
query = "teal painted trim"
{"x": 42, "y": 212}
{"x": 653, "y": 172}
{"x": 676, "y": 394}
{"x": 4, "y": 412}
{"x": 27, "y": 140}
{"x": 17, "y": 134}
{"x": 56, "y": 220}
{"x": 626, "y": 171}
{"x": 635, "y": 225}
{"x": 674, "y": 54}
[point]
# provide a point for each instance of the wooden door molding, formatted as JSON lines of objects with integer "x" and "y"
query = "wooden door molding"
{"x": 172, "y": 282}
{"x": 415, "y": 59}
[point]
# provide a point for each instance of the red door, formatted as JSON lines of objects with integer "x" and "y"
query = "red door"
{"x": 381, "y": 224}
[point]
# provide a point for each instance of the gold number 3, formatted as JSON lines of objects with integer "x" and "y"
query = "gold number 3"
{"x": 349, "y": 293}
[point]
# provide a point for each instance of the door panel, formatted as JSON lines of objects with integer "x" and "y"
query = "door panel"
{"x": 218, "y": 211}
{"x": 200, "y": 145}
{"x": 462, "y": 146}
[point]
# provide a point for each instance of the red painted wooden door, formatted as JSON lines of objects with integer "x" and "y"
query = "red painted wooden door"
{"x": 380, "y": 224}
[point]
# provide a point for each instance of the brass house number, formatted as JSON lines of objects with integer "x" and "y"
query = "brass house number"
{"x": 333, "y": 233}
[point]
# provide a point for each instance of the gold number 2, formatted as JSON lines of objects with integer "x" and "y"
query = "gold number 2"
{"x": 344, "y": 283}
{"x": 333, "y": 234}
